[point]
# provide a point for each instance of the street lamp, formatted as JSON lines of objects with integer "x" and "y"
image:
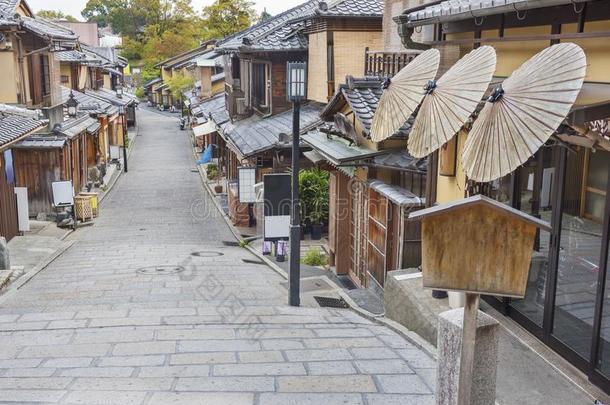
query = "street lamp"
{"x": 296, "y": 84}
{"x": 122, "y": 114}
{"x": 72, "y": 105}
{"x": 119, "y": 90}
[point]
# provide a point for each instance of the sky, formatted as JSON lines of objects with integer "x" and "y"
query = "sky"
{"x": 74, "y": 7}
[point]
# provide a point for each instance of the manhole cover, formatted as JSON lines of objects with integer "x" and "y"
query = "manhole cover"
{"x": 207, "y": 253}
{"x": 160, "y": 270}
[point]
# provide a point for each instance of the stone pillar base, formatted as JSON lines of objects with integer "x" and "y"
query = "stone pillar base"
{"x": 485, "y": 363}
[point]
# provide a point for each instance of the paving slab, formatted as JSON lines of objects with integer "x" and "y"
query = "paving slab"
{"x": 130, "y": 315}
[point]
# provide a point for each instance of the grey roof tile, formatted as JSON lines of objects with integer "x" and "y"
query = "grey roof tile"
{"x": 14, "y": 126}
{"x": 76, "y": 56}
{"x": 401, "y": 159}
{"x": 352, "y": 8}
{"x": 8, "y": 7}
{"x": 256, "y": 134}
{"x": 270, "y": 32}
{"x": 43, "y": 141}
{"x": 48, "y": 29}
{"x": 362, "y": 95}
{"x": 87, "y": 103}
{"x": 75, "y": 126}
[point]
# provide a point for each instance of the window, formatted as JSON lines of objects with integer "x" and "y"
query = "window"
{"x": 260, "y": 86}
{"x": 45, "y": 75}
{"x": 65, "y": 80}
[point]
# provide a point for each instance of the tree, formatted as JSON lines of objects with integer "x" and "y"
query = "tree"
{"x": 55, "y": 15}
{"x": 179, "y": 83}
{"x": 264, "y": 16}
{"x": 226, "y": 17}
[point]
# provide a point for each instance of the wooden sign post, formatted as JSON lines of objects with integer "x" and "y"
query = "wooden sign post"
{"x": 477, "y": 246}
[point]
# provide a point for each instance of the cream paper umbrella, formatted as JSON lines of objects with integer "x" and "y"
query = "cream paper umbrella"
{"x": 402, "y": 94}
{"x": 451, "y": 100}
{"x": 522, "y": 114}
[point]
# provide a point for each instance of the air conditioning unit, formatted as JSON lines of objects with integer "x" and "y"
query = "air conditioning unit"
{"x": 242, "y": 108}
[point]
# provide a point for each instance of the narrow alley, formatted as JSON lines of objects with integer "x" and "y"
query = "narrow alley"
{"x": 149, "y": 306}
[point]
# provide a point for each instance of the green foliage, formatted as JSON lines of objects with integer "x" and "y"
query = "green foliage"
{"x": 313, "y": 189}
{"x": 314, "y": 257}
{"x": 179, "y": 83}
{"x": 212, "y": 171}
{"x": 243, "y": 243}
{"x": 55, "y": 15}
{"x": 139, "y": 92}
{"x": 225, "y": 17}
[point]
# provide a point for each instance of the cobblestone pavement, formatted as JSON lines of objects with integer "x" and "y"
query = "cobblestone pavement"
{"x": 150, "y": 307}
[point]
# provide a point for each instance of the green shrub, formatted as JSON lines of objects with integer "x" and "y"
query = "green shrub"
{"x": 212, "y": 171}
{"x": 139, "y": 92}
{"x": 313, "y": 189}
{"x": 314, "y": 257}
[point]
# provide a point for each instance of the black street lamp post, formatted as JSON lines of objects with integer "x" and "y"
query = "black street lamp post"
{"x": 122, "y": 114}
{"x": 296, "y": 85}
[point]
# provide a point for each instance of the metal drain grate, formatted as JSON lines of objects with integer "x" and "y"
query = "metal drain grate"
{"x": 328, "y": 302}
{"x": 251, "y": 261}
{"x": 207, "y": 253}
{"x": 160, "y": 270}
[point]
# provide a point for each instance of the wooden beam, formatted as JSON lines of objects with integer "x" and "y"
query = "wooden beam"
{"x": 525, "y": 38}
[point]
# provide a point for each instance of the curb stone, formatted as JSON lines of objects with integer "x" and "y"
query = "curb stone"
{"x": 408, "y": 335}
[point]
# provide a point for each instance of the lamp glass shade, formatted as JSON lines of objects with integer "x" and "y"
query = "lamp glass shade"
{"x": 72, "y": 105}
{"x": 297, "y": 80}
{"x": 119, "y": 91}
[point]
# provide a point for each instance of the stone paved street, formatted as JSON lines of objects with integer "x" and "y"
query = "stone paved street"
{"x": 150, "y": 307}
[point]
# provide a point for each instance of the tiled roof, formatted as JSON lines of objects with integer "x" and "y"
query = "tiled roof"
{"x": 109, "y": 96}
{"x": 397, "y": 195}
{"x": 45, "y": 141}
{"x": 362, "y": 95}
{"x": 192, "y": 60}
{"x": 401, "y": 159}
{"x": 209, "y": 106}
{"x": 256, "y": 134}
{"x": 351, "y": 8}
{"x": 8, "y": 7}
{"x": 153, "y": 81}
{"x": 184, "y": 57}
{"x": 455, "y": 10}
{"x": 266, "y": 31}
{"x": 48, "y": 29}
{"x": 76, "y": 56}
{"x": 338, "y": 150}
{"x": 14, "y": 127}
{"x": 87, "y": 103}
{"x": 75, "y": 126}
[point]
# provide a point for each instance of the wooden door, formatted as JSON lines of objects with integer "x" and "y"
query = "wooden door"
{"x": 358, "y": 225}
{"x": 377, "y": 236}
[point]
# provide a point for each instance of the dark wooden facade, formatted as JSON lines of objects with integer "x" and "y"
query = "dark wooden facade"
{"x": 9, "y": 226}
{"x": 38, "y": 168}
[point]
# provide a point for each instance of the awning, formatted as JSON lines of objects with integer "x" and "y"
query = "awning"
{"x": 204, "y": 129}
{"x": 93, "y": 128}
{"x": 337, "y": 150}
{"x": 314, "y": 156}
{"x": 451, "y": 10}
{"x": 397, "y": 195}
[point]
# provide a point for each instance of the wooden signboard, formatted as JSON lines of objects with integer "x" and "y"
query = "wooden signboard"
{"x": 477, "y": 245}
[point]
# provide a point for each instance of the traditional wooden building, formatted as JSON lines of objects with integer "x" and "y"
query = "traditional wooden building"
{"x": 28, "y": 60}
{"x": 565, "y": 182}
{"x": 373, "y": 186}
{"x": 15, "y": 124}
{"x": 339, "y": 34}
{"x": 58, "y": 155}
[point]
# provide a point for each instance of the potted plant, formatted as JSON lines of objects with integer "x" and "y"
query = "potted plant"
{"x": 313, "y": 186}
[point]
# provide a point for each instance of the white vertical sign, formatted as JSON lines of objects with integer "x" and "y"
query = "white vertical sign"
{"x": 23, "y": 209}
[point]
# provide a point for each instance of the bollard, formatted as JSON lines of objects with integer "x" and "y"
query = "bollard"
{"x": 483, "y": 388}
